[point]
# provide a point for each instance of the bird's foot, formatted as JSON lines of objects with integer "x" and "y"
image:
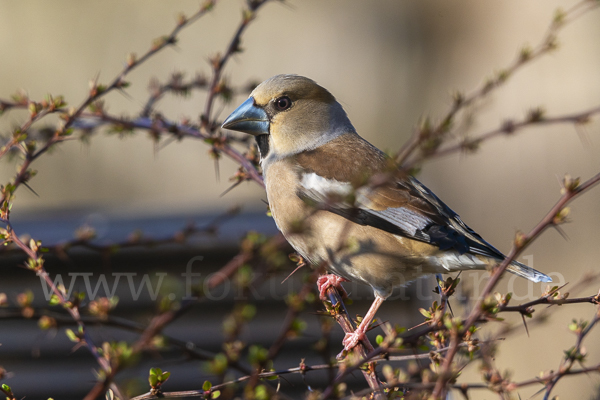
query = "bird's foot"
{"x": 352, "y": 339}
{"x": 325, "y": 281}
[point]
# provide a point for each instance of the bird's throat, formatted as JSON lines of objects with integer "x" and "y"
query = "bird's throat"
{"x": 263, "y": 145}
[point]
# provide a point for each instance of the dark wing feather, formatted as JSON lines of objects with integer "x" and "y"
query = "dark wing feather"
{"x": 405, "y": 197}
{"x": 387, "y": 198}
{"x": 454, "y": 232}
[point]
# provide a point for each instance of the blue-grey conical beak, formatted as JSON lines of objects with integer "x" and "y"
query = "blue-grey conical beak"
{"x": 248, "y": 118}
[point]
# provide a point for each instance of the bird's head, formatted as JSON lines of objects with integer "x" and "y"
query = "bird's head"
{"x": 289, "y": 114}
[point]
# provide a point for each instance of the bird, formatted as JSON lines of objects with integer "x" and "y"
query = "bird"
{"x": 341, "y": 201}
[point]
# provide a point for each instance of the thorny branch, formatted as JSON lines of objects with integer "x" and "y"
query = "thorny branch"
{"x": 162, "y": 125}
{"x": 36, "y": 264}
{"x": 362, "y": 352}
{"x": 96, "y": 92}
{"x": 554, "y": 217}
{"x": 465, "y": 387}
{"x": 160, "y": 321}
{"x": 218, "y": 62}
{"x": 527, "y": 308}
{"x": 428, "y": 138}
{"x": 574, "y": 354}
{"x": 179, "y": 86}
{"x": 534, "y": 118}
{"x": 302, "y": 369}
{"x": 38, "y": 111}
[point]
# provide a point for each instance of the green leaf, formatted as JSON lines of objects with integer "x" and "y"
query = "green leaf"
{"x": 207, "y": 385}
{"x": 379, "y": 339}
{"x": 573, "y": 326}
{"x": 72, "y": 336}
{"x": 54, "y": 300}
{"x": 215, "y": 394}
{"x": 155, "y": 377}
{"x": 261, "y": 392}
{"x": 272, "y": 377}
{"x": 248, "y": 312}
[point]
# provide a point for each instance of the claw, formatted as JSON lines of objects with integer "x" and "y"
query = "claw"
{"x": 352, "y": 339}
{"x": 325, "y": 281}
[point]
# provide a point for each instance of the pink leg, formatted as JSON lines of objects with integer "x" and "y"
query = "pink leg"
{"x": 352, "y": 339}
{"x": 328, "y": 280}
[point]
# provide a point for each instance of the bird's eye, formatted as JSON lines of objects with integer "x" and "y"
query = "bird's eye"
{"x": 283, "y": 103}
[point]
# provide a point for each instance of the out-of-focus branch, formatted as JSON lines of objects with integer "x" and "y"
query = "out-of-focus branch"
{"x": 8, "y": 393}
{"x": 292, "y": 314}
{"x": 161, "y": 125}
{"x": 85, "y": 239}
{"x": 36, "y": 264}
{"x": 60, "y": 319}
{"x": 465, "y": 387}
{"x": 176, "y": 85}
{"x": 159, "y": 322}
{"x": 302, "y": 369}
{"x": 557, "y": 215}
{"x": 179, "y": 86}
{"x": 535, "y": 117}
{"x": 574, "y": 354}
{"x": 430, "y": 136}
{"x": 96, "y": 92}
{"x": 527, "y": 308}
{"x": 36, "y": 113}
{"x": 219, "y": 62}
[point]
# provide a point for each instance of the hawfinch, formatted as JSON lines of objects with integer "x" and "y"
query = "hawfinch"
{"x": 340, "y": 200}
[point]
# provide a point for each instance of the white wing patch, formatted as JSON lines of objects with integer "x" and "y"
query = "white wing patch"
{"x": 319, "y": 188}
{"x": 322, "y": 186}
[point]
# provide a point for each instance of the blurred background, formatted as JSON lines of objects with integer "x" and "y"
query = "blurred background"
{"x": 389, "y": 63}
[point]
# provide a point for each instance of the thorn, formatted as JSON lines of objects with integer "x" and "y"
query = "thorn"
{"x": 538, "y": 392}
{"x": 416, "y": 326}
{"x": 525, "y": 323}
{"x": 301, "y": 264}
{"x": 583, "y": 134}
{"x": 230, "y": 188}
{"x": 125, "y": 94}
{"x": 164, "y": 144}
{"x": 217, "y": 171}
{"x": 562, "y": 232}
{"x": 561, "y": 287}
{"x": 29, "y": 187}
{"x": 449, "y": 307}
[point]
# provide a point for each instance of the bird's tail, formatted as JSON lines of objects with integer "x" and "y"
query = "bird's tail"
{"x": 527, "y": 272}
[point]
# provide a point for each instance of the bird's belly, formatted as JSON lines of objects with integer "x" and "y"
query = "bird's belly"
{"x": 369, "y": 255}
{"x": 356, "y": 252}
